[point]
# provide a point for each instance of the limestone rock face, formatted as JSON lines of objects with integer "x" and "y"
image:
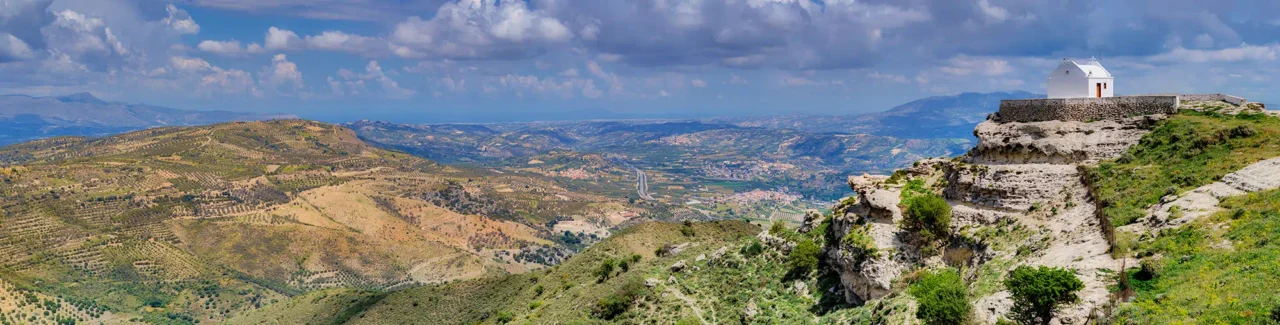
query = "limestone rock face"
{"x": 1057, "y": 142}
{"x": 1016, "y": 187}
{"x": 781, "y": 244}
{"x": 811, "y": 219}
{"x": 1022, "y": 174}
{"x": 876, "y": 210}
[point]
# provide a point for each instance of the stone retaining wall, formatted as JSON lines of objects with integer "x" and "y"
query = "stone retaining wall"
{"x": 1085, "y": 109}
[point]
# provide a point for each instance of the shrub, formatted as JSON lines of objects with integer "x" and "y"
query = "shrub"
{"x": 686, "y": 229}
{"x": 616, "y": 303}
{"x": 942, "y": 297}
{"x": 858, "y": 239}
{"x": 1037, "y": 292}
{"x": 605, "y": 269}
{"x": 1149, "y": 269}
{"x": 625, "y": 265}
{"x": 755, "y": 248}
{"x": 505, "y": 317}
{"x": 804, "y": 256}
{"x": 930, "y": 214}
{"x": 777, "y": 228}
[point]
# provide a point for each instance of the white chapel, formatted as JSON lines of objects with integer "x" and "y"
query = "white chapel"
{"x": 1076, "y": 80}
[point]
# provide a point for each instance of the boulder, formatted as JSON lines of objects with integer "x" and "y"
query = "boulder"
{"x": 679, "y": 266}
{"x": 718, "y": 255}
{"x": 651, "y": 282}
{"x": 811, "y": 220}
{"x": 800, "y": 288}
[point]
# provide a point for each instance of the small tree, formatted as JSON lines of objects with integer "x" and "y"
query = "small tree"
{"x": 606, "y": 269}
{"x": 930, "y": 214}
{"x": 804, "y": 256}
{"x": 942, "y": 297}
{"x": 1037, "y": 292}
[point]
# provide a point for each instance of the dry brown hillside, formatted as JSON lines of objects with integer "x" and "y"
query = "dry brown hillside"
{"x": 204, "y": 222}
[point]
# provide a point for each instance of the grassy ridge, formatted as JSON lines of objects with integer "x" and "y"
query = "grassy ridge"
{"x": 563, "y": 293}
{"x": 748, "y": 277}
{"x": 1218, "y": 270}
{"x": 1188, "y": 150}
{"x": 334, "y": 306}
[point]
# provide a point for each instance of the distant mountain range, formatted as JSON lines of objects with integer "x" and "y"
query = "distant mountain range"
{"x": 951, "y": 116}
{"x": 24, "y": 118}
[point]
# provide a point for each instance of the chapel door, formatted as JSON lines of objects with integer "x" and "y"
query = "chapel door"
{"x": 1099, "y": 88}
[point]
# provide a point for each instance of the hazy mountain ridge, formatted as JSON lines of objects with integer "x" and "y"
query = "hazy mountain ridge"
{"x": 952, "y": 116}
{"x": 25, "y": 118}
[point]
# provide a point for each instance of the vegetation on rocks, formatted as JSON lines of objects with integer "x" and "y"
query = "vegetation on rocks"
{"x": 804, "y": 257}
{"x": 1188, "y": 150}
{"x": 1221, "y": 269}
{"x": 930, "y": 215}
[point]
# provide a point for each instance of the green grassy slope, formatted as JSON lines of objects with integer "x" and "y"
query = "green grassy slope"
{"x": 1186, "y": 151}
{"x": 563, "y": 293}
{"x": 710, "y": 290}
{"x": 1219, "y": 270}
{"x": 333, "y": 306}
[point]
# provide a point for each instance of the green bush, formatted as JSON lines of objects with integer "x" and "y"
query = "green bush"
{"x": 606, "y": 269}
{"x": 505, "y": 317}
{"x": 686, "y": 229}
{"x": 1037, "y": 292}
{"x": 858, "y": 239}
{"x": 777, "y": 228}
{"x": 755, "y": 248}
{"x": 804, "y": 256}
{"x": 930, "y": 214}
{"x": 942, "y": 297}
{"x": 616, "y": 303}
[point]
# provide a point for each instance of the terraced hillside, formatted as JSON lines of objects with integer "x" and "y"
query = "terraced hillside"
{"x": 199, "y": 223}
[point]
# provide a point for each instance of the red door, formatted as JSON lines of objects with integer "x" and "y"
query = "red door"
{"x": 1099, "y": 86}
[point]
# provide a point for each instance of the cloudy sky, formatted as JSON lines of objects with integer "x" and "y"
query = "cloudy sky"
{"x": 502, "y": 60}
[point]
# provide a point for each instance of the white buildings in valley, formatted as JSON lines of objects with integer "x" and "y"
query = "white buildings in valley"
{"x": 1076, "y": 80}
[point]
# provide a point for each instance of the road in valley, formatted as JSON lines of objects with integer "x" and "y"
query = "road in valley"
{"x": 642, "y": 180}
{"x": 642, "y": 184}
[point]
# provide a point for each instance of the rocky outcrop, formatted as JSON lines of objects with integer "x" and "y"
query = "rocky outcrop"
{"x": 1203, "y": 201}
{"x": 1013, "y": 187}
{"x": 811, "y": 219}
{"x": 869, "y": 276}
{"x": 1024, "y": 174}
{"x": 1057, "y": 142}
